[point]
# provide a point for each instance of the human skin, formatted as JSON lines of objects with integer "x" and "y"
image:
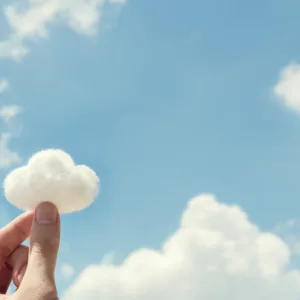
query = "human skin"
{"x": 31, "y": 269}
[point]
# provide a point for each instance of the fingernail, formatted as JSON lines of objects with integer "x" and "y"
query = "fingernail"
{"x": 46, "y": 213}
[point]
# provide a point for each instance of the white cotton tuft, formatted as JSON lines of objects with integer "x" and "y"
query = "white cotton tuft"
{"x": 52, "y": 176}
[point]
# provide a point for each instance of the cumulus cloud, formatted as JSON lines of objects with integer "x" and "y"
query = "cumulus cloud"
{"x": 7, "y": 112}
{"x": 287, "y": 89}
{"x": 216, "y": 253}
{"x": 67, "y": 270}
{"x": 51, "y": 175}
{"x": 7, "y": 156}
{"x": 30, "y": 20}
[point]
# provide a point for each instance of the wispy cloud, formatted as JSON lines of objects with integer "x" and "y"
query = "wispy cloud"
{"x": 3, "y": 85}
{"x": 29, "y": 20}
{"x": 7, "y": 113}
{"x": 289, "y": 231}
{"x": 108, "y": 258}
{"x": 67, "y": 270}
{"x": 7, "y": 156}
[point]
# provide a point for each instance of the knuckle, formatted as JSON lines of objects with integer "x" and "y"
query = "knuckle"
{"x": 19, "y": 230}
{"x": 5, "y": 251}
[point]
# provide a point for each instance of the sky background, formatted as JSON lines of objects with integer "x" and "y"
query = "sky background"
{"x": 165, "y": 100}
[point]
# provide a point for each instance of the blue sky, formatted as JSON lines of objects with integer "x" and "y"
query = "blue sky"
{"x": 168, "y": 100}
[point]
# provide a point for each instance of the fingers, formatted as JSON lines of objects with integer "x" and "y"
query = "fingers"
{"x": 44, "y": 245}
{"x": 17, "y": 262}
{"x": 12, "y": 235}
{"x": 5, "y": 275}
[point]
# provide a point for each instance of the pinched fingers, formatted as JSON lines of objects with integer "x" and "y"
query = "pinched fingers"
{"x": 17, "y": 262}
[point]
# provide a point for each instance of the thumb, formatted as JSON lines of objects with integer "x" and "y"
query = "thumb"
{"x": 44, "y": 245}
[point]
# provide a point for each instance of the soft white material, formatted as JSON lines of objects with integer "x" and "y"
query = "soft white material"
{"x": 52, "y": 176}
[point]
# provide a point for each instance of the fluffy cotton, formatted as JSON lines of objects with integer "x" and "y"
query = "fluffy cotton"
{"x": 216, "y": 253}
{"x": 51, "y": 175}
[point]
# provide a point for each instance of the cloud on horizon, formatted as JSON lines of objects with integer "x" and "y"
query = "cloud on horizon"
{"x": 216, "y": 253}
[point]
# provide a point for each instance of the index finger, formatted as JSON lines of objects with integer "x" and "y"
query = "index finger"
{"x": 12, "y": 235}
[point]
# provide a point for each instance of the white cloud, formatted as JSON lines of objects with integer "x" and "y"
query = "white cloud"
{"x": 7, "y": 112}
{"x": 216, "y": 253}
{"x": 13, "y": 49}
{"x": 287, "y": 89}
{"x": 67, "y": 270}
{"x": 7, "y": 157}
{"x": 4, "y": 84}
{"x": 30, "y": 20}
{"x": 51, "y": 175}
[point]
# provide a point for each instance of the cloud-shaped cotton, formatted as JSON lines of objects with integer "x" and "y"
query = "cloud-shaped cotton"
{"x": 51, "y": 175}
{"x": 216, "y": 253}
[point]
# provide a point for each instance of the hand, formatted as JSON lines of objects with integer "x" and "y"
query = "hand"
{"x": 32, "y": 270}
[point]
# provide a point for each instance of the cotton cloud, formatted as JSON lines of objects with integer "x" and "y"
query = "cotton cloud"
{"x": 30, "y": 20}
{"x": 51, "y": 175}
{"x": 287, "y": 88}
{"x": 7, "y": 112}
{"x": 216, "y": 253}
